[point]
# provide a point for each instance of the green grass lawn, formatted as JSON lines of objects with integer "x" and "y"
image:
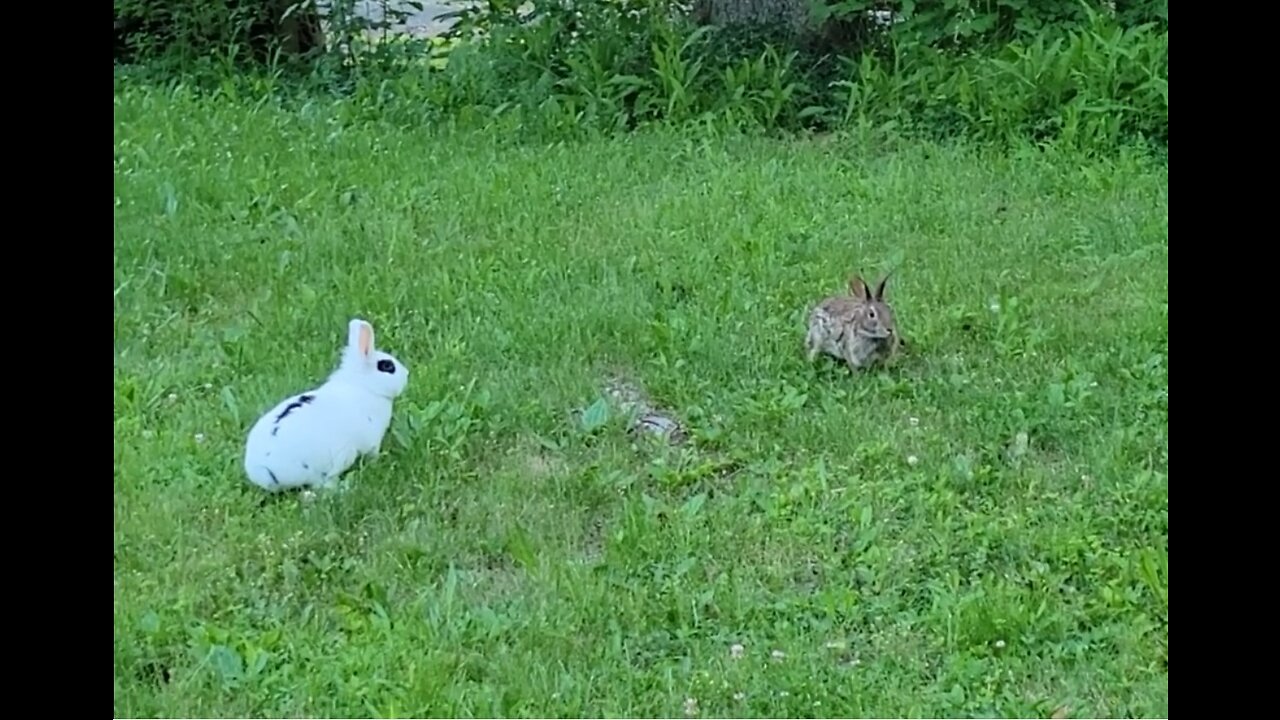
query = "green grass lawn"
{"x": 979, "y": 530}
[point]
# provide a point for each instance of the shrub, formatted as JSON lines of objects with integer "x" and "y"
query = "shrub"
{"x": 1085, "y": 73}
{"x": 1058, "y": 71}
{"x": 181, "y": 32}
{"x": 1095, "y": 86}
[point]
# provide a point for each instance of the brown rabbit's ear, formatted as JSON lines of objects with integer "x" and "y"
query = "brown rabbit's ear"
{"x": 858, "y": 287}
{"x": 879, "y": 294}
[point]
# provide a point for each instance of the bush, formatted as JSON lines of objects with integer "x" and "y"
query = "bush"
{"x": 1091, "y": 75}
{"x": 1059, "y": 71}
{"x": 180, "y": 33}
{"x": 966, "y": 25}
{"x": 1096, "y": 86}
{"x": 183, "y": 35}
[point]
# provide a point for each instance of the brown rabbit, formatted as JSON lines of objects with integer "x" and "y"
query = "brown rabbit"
{"x": 859, "y": 330}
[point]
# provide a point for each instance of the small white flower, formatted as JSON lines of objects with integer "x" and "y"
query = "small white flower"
{"x": 995, "y": 307}
{"x": 173, "y": 397}
{"x": 777, "y": 655}
{"x": 999, "y": 644}
{"x": 739, "y": 696}
{"x": 690, "y": 707}
{"x": 736, "y": 650}
{"x": 915, "y": 421}
{"x": 912, "y": 460}
{"x": 308, "y": 495}
{"x": 784, "y": 693}
{"x": 199, "y": 437}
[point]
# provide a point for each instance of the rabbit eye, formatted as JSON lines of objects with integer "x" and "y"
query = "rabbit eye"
{"x": 387, "y": 367}
{"x": 871, "y": 312}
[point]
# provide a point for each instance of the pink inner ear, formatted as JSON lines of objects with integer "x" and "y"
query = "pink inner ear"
{"x": 366, "y": 339}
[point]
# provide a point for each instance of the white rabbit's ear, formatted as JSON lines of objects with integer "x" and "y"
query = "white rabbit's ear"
{"x": 360, "y": 338}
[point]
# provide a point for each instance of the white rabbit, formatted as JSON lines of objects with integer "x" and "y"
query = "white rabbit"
{"x": 312, "y": 438}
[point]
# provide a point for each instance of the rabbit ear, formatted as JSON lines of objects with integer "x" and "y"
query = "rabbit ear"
{"x": 858, "y": 287}
{"x": 879, "y": 294}
{"x": 360, "y": 338}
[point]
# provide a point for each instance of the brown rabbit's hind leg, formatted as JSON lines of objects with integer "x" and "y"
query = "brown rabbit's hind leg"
{"x": 859, "y": 355}
{"x": 850, "y": 356}
{"x": 811, "y": 347}
{"x": 813, "y": 339}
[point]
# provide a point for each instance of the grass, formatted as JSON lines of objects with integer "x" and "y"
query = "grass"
{"x": 980, "y": 530}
